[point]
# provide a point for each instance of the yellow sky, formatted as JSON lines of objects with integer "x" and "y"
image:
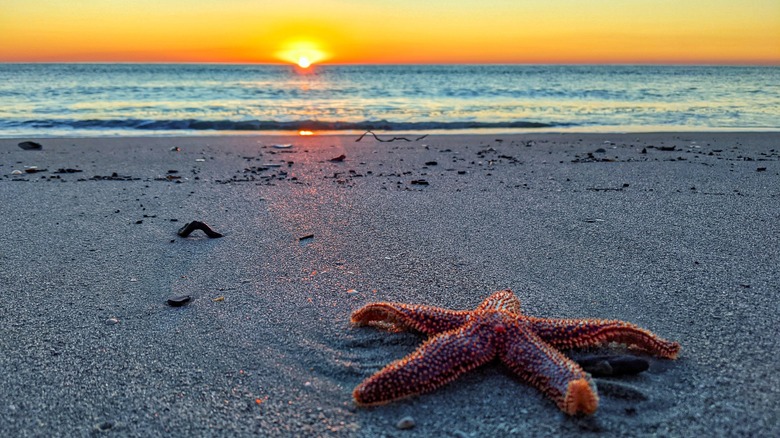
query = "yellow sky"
{"x": 392, "y": 31}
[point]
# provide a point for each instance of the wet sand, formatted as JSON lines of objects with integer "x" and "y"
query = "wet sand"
{"x": 676, "y": 232}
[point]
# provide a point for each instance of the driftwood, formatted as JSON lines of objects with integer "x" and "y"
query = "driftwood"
{"x": 388, "y": 140}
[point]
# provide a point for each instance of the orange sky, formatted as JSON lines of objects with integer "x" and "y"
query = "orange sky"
{"x": 392, "y": 31}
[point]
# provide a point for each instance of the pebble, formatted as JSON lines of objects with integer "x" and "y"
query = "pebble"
{"x": 179, "y": 301}
{"x": 104, "y": 426}
{"x": 30, "y": 146}
{"x": 613, "y": 365}
{"x": 405, "y": 423}
{"x": 112, "y": 321}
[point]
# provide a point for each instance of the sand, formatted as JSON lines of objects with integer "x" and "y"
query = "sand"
{"x": 683, "y": 242}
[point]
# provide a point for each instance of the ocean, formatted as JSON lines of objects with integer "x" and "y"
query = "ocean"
{"x": 195, "y": 99}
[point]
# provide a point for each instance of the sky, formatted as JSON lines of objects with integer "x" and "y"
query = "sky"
{"x": 392, "y": 31}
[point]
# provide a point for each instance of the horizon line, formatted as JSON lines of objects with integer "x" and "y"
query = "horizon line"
{"x": 368, "y": 64}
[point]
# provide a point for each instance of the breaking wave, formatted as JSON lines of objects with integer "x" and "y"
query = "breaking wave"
{"x": 271, "y": 125}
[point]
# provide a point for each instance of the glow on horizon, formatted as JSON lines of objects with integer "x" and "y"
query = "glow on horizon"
{"x": 392, "y": 31}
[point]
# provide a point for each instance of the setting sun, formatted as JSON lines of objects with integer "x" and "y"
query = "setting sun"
{"x": 302, "y": 53}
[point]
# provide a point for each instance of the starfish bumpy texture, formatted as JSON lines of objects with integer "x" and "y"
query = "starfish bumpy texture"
{"x": 461, "y": 340}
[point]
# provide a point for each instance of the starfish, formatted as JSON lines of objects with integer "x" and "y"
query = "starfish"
{"x": 461, "y": 340}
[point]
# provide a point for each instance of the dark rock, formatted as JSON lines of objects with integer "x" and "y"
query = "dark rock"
{"x": 761, "y": 169}
{"x": 600, "y": 151}
{"x": 419, "y": 182}
{"x": 196, "y": 225}
{"x": 114, "y": 177}
{"x": 104, "y": 426}
{"x": 431, "y": 163}
{"x": 338, "y": 159}
{"x": 599, "y": 366}
{"x": 179, "y": 300}
{"x": 30, "y": 146}
{"x": 67, "y": 170}
{"x": 405, "y": 423}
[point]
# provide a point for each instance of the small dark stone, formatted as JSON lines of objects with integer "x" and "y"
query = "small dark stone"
{"x": 665, "y": 148}
{"x": 419, "y": 182}
{"x": 338, "y": 159}
{"x": 179, "y": 301}
{"x": 139, "y": 222}
{"x": 600, "y": 151}
{"x": 405, "y": 423}
{"x": 104, "y": 426}
{"x": 306, "y": 237}
{"x": 613, "y": 365}
{"x": 644, "y": 151}
{"x": 30, "y": 146}
{"x": 431, "y": 163}
{"x": 761, "y": 169}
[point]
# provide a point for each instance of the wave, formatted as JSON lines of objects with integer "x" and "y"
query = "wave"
{"x": 270, "y": 125}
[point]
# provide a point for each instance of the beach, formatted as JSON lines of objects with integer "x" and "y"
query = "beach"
{"x": 675, "y": 232}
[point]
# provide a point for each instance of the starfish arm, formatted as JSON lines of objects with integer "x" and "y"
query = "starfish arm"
{"x": 548, "y": 370}
{"x": 437, "y": 362}
{"x": 502, "y": 300}
{"x": 578, "y": 333}
{"x": 397, "y": 317}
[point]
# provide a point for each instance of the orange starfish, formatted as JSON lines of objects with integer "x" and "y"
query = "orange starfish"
{"x": 461, "y": 340}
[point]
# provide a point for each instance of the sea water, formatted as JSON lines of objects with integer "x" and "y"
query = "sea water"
{"x": 186, "y": 99}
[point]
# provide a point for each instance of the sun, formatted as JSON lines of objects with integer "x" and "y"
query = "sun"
{"x": 304, "y": 62}
{"x": 304, "y": 54}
